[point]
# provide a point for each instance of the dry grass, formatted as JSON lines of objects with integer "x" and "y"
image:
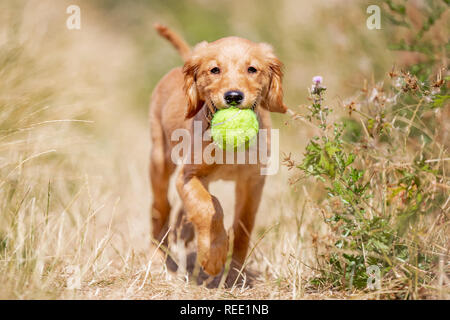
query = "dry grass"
{"x": 74, "y": 194}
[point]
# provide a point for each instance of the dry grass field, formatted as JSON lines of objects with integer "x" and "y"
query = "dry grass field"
{"x": 74, "y": 146}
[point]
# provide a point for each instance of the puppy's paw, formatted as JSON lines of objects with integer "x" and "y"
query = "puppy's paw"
{"x": 212, "y": 253}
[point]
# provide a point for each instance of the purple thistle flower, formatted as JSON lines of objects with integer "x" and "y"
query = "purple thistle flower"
{"x": 317, "y": 80}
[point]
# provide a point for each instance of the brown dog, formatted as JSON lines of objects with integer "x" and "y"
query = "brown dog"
{"x": 229, "y": 71}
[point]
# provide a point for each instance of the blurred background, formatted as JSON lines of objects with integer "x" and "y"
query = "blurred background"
{"x": 74, "y": 136}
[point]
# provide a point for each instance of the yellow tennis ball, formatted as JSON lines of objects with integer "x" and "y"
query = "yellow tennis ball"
{"x": 233, "y": 127}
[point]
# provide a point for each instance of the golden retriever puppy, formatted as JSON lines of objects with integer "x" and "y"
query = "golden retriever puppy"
{"x": 228, "y": 72}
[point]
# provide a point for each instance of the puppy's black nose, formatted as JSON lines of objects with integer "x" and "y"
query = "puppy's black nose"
{"x": 233, "y": 97}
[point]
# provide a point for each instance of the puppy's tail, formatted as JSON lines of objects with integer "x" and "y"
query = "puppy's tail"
{"x": 174, "y": 39}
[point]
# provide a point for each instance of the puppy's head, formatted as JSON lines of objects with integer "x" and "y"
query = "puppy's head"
{"x": 233, "y": 72}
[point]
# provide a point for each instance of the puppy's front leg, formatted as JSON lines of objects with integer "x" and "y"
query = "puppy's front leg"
{"x": 205, "y": 212}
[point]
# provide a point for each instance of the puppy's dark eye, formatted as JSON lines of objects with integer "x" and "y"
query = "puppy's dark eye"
{"x": 215, "y": 70}
{"x": 251, "y": 70}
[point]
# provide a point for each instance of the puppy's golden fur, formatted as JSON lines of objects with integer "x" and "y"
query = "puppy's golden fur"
{"x": 192, "y": 93}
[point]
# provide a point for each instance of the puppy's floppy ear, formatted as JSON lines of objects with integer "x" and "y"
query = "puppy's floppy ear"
{"x": 274, "y": 95}
{"x": 190, "y": 69}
